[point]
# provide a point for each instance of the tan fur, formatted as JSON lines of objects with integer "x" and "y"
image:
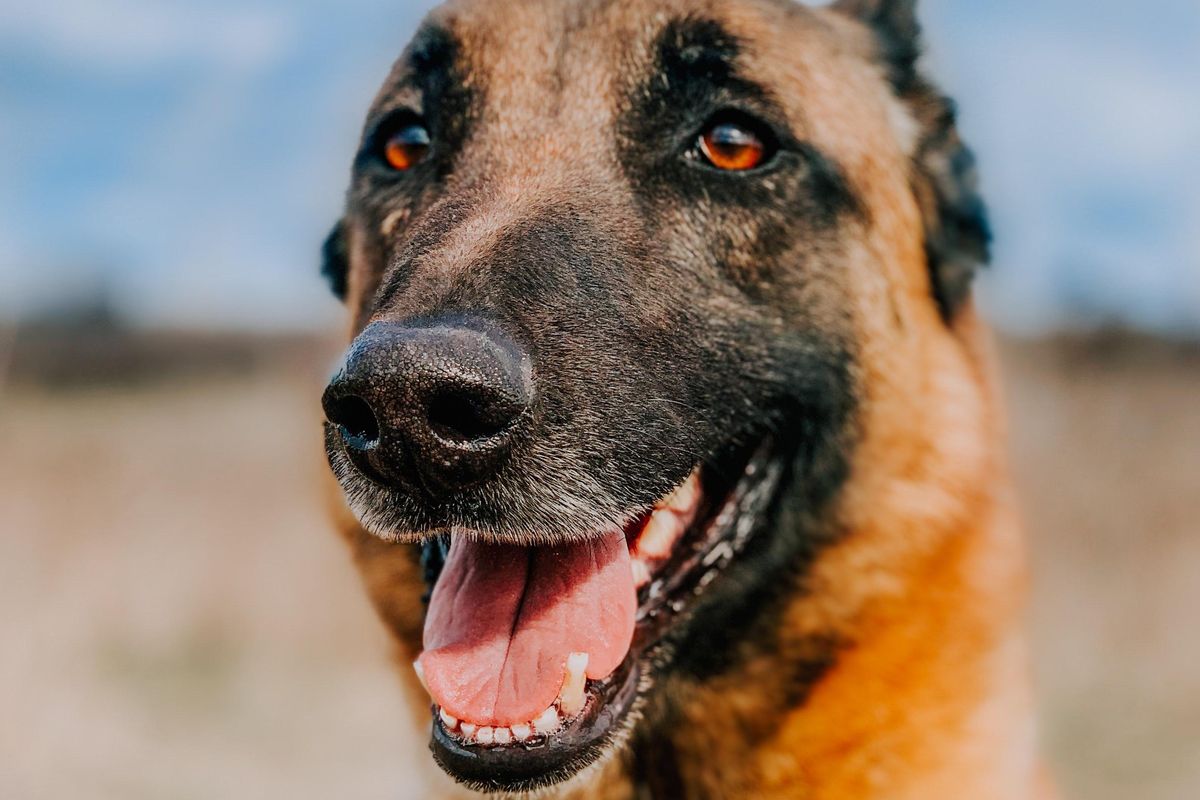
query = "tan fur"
{"x": 928, "y": 698}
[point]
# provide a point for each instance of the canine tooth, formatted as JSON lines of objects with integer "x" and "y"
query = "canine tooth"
{"x": 417, "y": 668}
{"x": 502, "y": 736}
{"x": 448, "y": 719}
{"x": 548, "y": 722}
{"x": 570, "y": 699}
{"x": 641, "y": 572}
{"x": 659, "y": 535}
{"x": 485, "y": 735}
{"x": 685, "y": 497}
{"x": 521, "y": 732}
{"x": 467, "y": 728}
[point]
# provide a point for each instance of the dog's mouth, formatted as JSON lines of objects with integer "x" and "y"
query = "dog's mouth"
{"x": 537, "y": 656}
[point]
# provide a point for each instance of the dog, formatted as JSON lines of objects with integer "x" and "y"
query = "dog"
{"x": 668, "y": 435}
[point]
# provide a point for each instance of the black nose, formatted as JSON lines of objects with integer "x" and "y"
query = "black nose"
{"x": 434, "y": 406}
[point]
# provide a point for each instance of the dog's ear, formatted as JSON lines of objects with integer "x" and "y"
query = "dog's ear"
{"x": 946, "y": 185}
{"x": 896, "y": 27}
{"x": 335, "y": 261}
{"x": 957, "y": 234}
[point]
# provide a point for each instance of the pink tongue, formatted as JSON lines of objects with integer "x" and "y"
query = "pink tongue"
{"x": 503, "y": 619}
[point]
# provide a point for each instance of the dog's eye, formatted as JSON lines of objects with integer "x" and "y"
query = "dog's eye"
{"x": 406, "y": 146}
{"x": 732, "y": 146}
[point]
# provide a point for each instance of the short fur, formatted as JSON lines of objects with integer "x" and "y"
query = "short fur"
{"x": 868, "y": 645}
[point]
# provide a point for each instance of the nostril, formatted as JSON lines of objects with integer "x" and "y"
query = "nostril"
{"x": 459, "y": 417}
{"x": 356, "y": 419}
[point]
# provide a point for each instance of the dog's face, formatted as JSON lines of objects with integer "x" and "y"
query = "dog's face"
{"x": 611, "y": 266}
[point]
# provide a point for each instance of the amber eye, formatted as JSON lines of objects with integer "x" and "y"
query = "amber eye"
{"x": 406, "y": 146}
{"x": 734, "y": 147}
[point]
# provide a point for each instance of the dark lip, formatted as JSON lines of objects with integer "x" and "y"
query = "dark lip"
{"x": 708, "y": 548}
{"x": 544, "y": 760}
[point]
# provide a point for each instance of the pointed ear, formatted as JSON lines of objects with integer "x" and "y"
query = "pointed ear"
{"x": 335, "y": 261}
{"x": 897, "y": 29}
{"x": 944, "y": 180}
{"x": 958, "y": 236}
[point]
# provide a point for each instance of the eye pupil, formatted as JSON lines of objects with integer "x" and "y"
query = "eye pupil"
{"x": 406, "y": 147}
{"x": 729, "y": 146}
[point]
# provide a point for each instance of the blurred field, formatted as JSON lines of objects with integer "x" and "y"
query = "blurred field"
{"x": 178, "y": 622}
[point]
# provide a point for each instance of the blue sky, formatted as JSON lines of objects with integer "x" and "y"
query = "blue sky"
{"x": 190, "y": 154}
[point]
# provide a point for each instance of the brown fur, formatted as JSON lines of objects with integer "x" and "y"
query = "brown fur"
{"x": 927, "y": 697}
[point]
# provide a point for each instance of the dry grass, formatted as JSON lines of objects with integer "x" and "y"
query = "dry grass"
{"x": 179, "y": 623}
{"x": 1106, "y": 445}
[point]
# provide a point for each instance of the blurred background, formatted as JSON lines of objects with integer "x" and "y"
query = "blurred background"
{"x": 178, "y": 621}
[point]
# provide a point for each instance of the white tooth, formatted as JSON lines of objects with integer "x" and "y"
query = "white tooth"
{"x": 502, "y": 736}
{"x": 417, "y": 668}
{"x": 685, "y": 498}
{"x": 659, "y": 535}
{"x": 570, "y": 699}
{"x": 448, "y": 719}
{"x": 467, "y": 728}
{"x": 548, "y": 722}
{"x": 521, "y": 732}
{"x": 641, "y": 573}
{"x": 485, "y": 735}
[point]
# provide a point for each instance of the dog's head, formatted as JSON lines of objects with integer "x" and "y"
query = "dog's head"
{"x": 624, "y": 276}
